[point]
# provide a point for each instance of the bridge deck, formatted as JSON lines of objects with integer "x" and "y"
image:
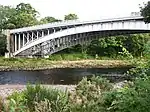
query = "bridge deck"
{"x": 71, "y": 23}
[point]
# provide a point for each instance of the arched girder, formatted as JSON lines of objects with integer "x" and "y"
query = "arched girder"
{"x": 55, "y": 37}
{"x": 51, "y": 46}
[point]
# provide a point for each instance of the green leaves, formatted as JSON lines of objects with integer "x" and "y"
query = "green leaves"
{"x": 22, "y": 16}
{"x": 6, "y": 13}
{"x": 2, "y": 44}
{"x": 145, "y": 12}
{"x": 48, "y": 20}
{"x": 71, "y": 17}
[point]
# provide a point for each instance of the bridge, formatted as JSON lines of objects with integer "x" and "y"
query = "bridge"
{"x": 46, "y": 39}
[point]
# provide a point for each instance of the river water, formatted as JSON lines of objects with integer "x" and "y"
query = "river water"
{"x": 60, "y": 75}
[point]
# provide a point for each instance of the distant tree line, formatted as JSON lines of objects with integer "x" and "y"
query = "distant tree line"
{"x": 24, "y": 15}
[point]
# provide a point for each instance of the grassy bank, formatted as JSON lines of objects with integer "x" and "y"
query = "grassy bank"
{"x": 41, "y": 63}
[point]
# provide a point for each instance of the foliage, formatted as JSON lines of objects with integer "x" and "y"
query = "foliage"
{"x": 147, "y": 50}
{"x": 15, "y": 106}
{"x": 135, "y": 44}
{"x": 2, "y": 44}
{"x": 22, "y": 16}
{"x": 87, "y": 95}
{"x": 43, "y": 106}
{"x": 145, "y": 12}
{"x": 25, "y": 16}
{"x": 6, "y": 13}
{"x": 132, "y": 98}
{"x": 141, "y": 70}
{"x": 71, "y": 17}
{"x": 127, "y": 46}
{"x": 48, "y": 20}
{"x": 35, "y": 96}
{"x": 55, "y": 57}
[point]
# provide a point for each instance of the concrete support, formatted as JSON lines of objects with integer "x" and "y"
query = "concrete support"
{"x": 7, "y": 33}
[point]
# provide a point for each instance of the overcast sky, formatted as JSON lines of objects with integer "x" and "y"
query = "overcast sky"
{"x": 85, "y": 9}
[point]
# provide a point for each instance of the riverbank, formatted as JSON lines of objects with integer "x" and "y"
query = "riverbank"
{"x": 7, "y": 90}
{"x": 42, "y": 64}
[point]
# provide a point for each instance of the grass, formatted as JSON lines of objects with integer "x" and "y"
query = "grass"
{"x": 62, "y": 61}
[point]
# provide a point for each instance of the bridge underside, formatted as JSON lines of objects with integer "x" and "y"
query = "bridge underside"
{"x": 57, "y": 44}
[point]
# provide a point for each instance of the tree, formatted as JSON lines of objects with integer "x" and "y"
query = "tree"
{"x": 145, "y": 12}
{"x": 2, "y": 44}
{"x": 25, "y": 15}
{"x": 71, "y": 17}
{"x": 48, "y": 20}
{"x": 22, "y": 16}
{"x": 6, "y": 12}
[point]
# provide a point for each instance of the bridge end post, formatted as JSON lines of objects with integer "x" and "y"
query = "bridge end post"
{"x": 8, "y": 54}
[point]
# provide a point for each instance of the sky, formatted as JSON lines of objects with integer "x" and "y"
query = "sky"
{"x": 85, "y": 9}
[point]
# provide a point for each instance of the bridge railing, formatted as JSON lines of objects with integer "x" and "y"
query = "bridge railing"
{"x": 71, "y": 22}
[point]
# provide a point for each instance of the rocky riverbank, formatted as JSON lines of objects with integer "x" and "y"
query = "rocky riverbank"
{"x": 34, "y": 64}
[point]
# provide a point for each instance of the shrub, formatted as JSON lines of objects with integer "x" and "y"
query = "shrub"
{"x": 87, "y": 95}
{"x": 17, "y": 103}
{"x": 55, "y": 57}
{"x": 132, "y": 98}
{"x": 15, "y": 106}
{"x": 36, "y": 96}
{"x": 58, "y": 99}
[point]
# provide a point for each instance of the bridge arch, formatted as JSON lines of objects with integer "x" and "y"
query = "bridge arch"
{"x": 53, "y": 39}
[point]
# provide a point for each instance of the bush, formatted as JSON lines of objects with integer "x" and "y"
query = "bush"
{"x": 87, "y": 95}
{"x": 36, "y": 96}
{"x": 58, "y": 99}
{"x": 15, "y": 106}
{"x": 55, "y": 57}
{"x": 132, "y": 98}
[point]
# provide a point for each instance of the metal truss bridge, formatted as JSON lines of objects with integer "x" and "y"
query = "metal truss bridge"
{"x": 42, "y": 40}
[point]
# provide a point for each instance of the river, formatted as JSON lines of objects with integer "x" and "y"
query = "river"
{"x": 63, "y": 76}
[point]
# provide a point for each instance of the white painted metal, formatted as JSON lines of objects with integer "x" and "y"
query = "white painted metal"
{"x": 19, "y": 44}
{"x": 23, "y": 41}
{"x": 74, "y": 28}
{"x": 15, "y": 42}
{"x": 71, "y": 23}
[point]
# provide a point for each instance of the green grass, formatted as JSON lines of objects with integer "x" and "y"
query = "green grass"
{"x": 77, "y": 60}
